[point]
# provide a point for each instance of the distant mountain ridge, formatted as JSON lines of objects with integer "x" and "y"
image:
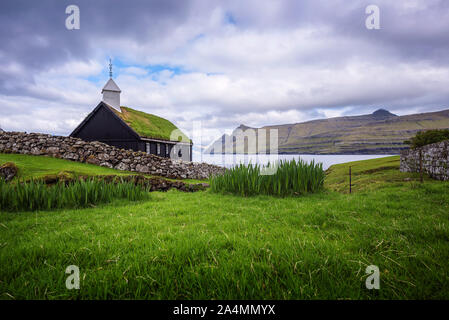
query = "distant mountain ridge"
{"x": 381, "y": 132}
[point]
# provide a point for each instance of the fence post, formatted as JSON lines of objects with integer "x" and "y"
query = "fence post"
{"x": 350, "y": 182}
{"x": 420, "y": 166}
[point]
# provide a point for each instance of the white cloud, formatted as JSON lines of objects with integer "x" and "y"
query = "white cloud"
{"x": 74, "y": 69}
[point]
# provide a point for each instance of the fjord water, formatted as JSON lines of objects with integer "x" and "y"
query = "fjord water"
{"x": 229, "y": 160}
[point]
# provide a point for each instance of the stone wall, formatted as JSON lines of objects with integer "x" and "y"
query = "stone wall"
{"x": 435, "y": 160}
{"x": 103, "y": 155}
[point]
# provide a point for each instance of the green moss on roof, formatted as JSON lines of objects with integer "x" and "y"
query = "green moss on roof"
{"x": 149, "y": 126}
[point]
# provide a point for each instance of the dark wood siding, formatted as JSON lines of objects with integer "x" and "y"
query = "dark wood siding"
{"x": 163, "y": 153}
{"x": 105, "y": 127}
{"x": 142, "y": 146}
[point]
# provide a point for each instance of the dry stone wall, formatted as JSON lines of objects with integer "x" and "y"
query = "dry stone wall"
{"x": 103, "y": 155}
{"x": 435, "y": 160}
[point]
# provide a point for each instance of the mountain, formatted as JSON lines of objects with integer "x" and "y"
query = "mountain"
{"x": 381, "y": 132}
{"x": 382, "y": 114}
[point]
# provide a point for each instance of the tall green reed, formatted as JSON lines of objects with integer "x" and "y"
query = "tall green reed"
{"x": 36, "y": 195}
{"x": 293, "y": 177}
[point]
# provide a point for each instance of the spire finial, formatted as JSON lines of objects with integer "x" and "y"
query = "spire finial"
{"x": 110, "y": 68}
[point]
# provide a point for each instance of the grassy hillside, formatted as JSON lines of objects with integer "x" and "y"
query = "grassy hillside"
{"x": 39, "y": 166}
{"x": 369, "y": 175}
{"x": 378, "y": 133}
{"x": 360, "y": 134}
{"x": 205, "y": 245}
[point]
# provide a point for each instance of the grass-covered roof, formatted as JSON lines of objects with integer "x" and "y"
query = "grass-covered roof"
{"x": 150, "y": 126}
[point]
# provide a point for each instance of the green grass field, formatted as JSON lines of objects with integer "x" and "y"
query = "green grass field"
{"x": 370, "y": 175}
{"x": 212, "y": 246}
{"x": 39, "y": 166}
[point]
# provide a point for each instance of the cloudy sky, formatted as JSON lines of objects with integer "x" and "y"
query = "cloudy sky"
{"x": 222, "y": 63}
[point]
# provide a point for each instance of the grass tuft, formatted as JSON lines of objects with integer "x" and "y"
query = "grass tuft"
{"x": 36, "y": 195}
{"x": 294, "y": 177}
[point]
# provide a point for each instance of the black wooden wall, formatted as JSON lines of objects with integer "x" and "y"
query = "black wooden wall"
{"x": 104, "y": 126}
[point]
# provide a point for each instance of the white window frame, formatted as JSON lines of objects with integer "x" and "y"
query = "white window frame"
{"x": 158, "y": 150}
{"x": 166, "y": 149}
{"x": 147, "y": 148}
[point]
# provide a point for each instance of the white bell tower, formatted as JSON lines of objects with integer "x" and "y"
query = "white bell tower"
{"x": 111, "y": 91}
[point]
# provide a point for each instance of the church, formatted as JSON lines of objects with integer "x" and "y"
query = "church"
{"x": 127, "y": 128}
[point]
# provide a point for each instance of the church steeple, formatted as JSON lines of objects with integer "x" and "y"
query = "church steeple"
{"x": 111, "y": 91}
